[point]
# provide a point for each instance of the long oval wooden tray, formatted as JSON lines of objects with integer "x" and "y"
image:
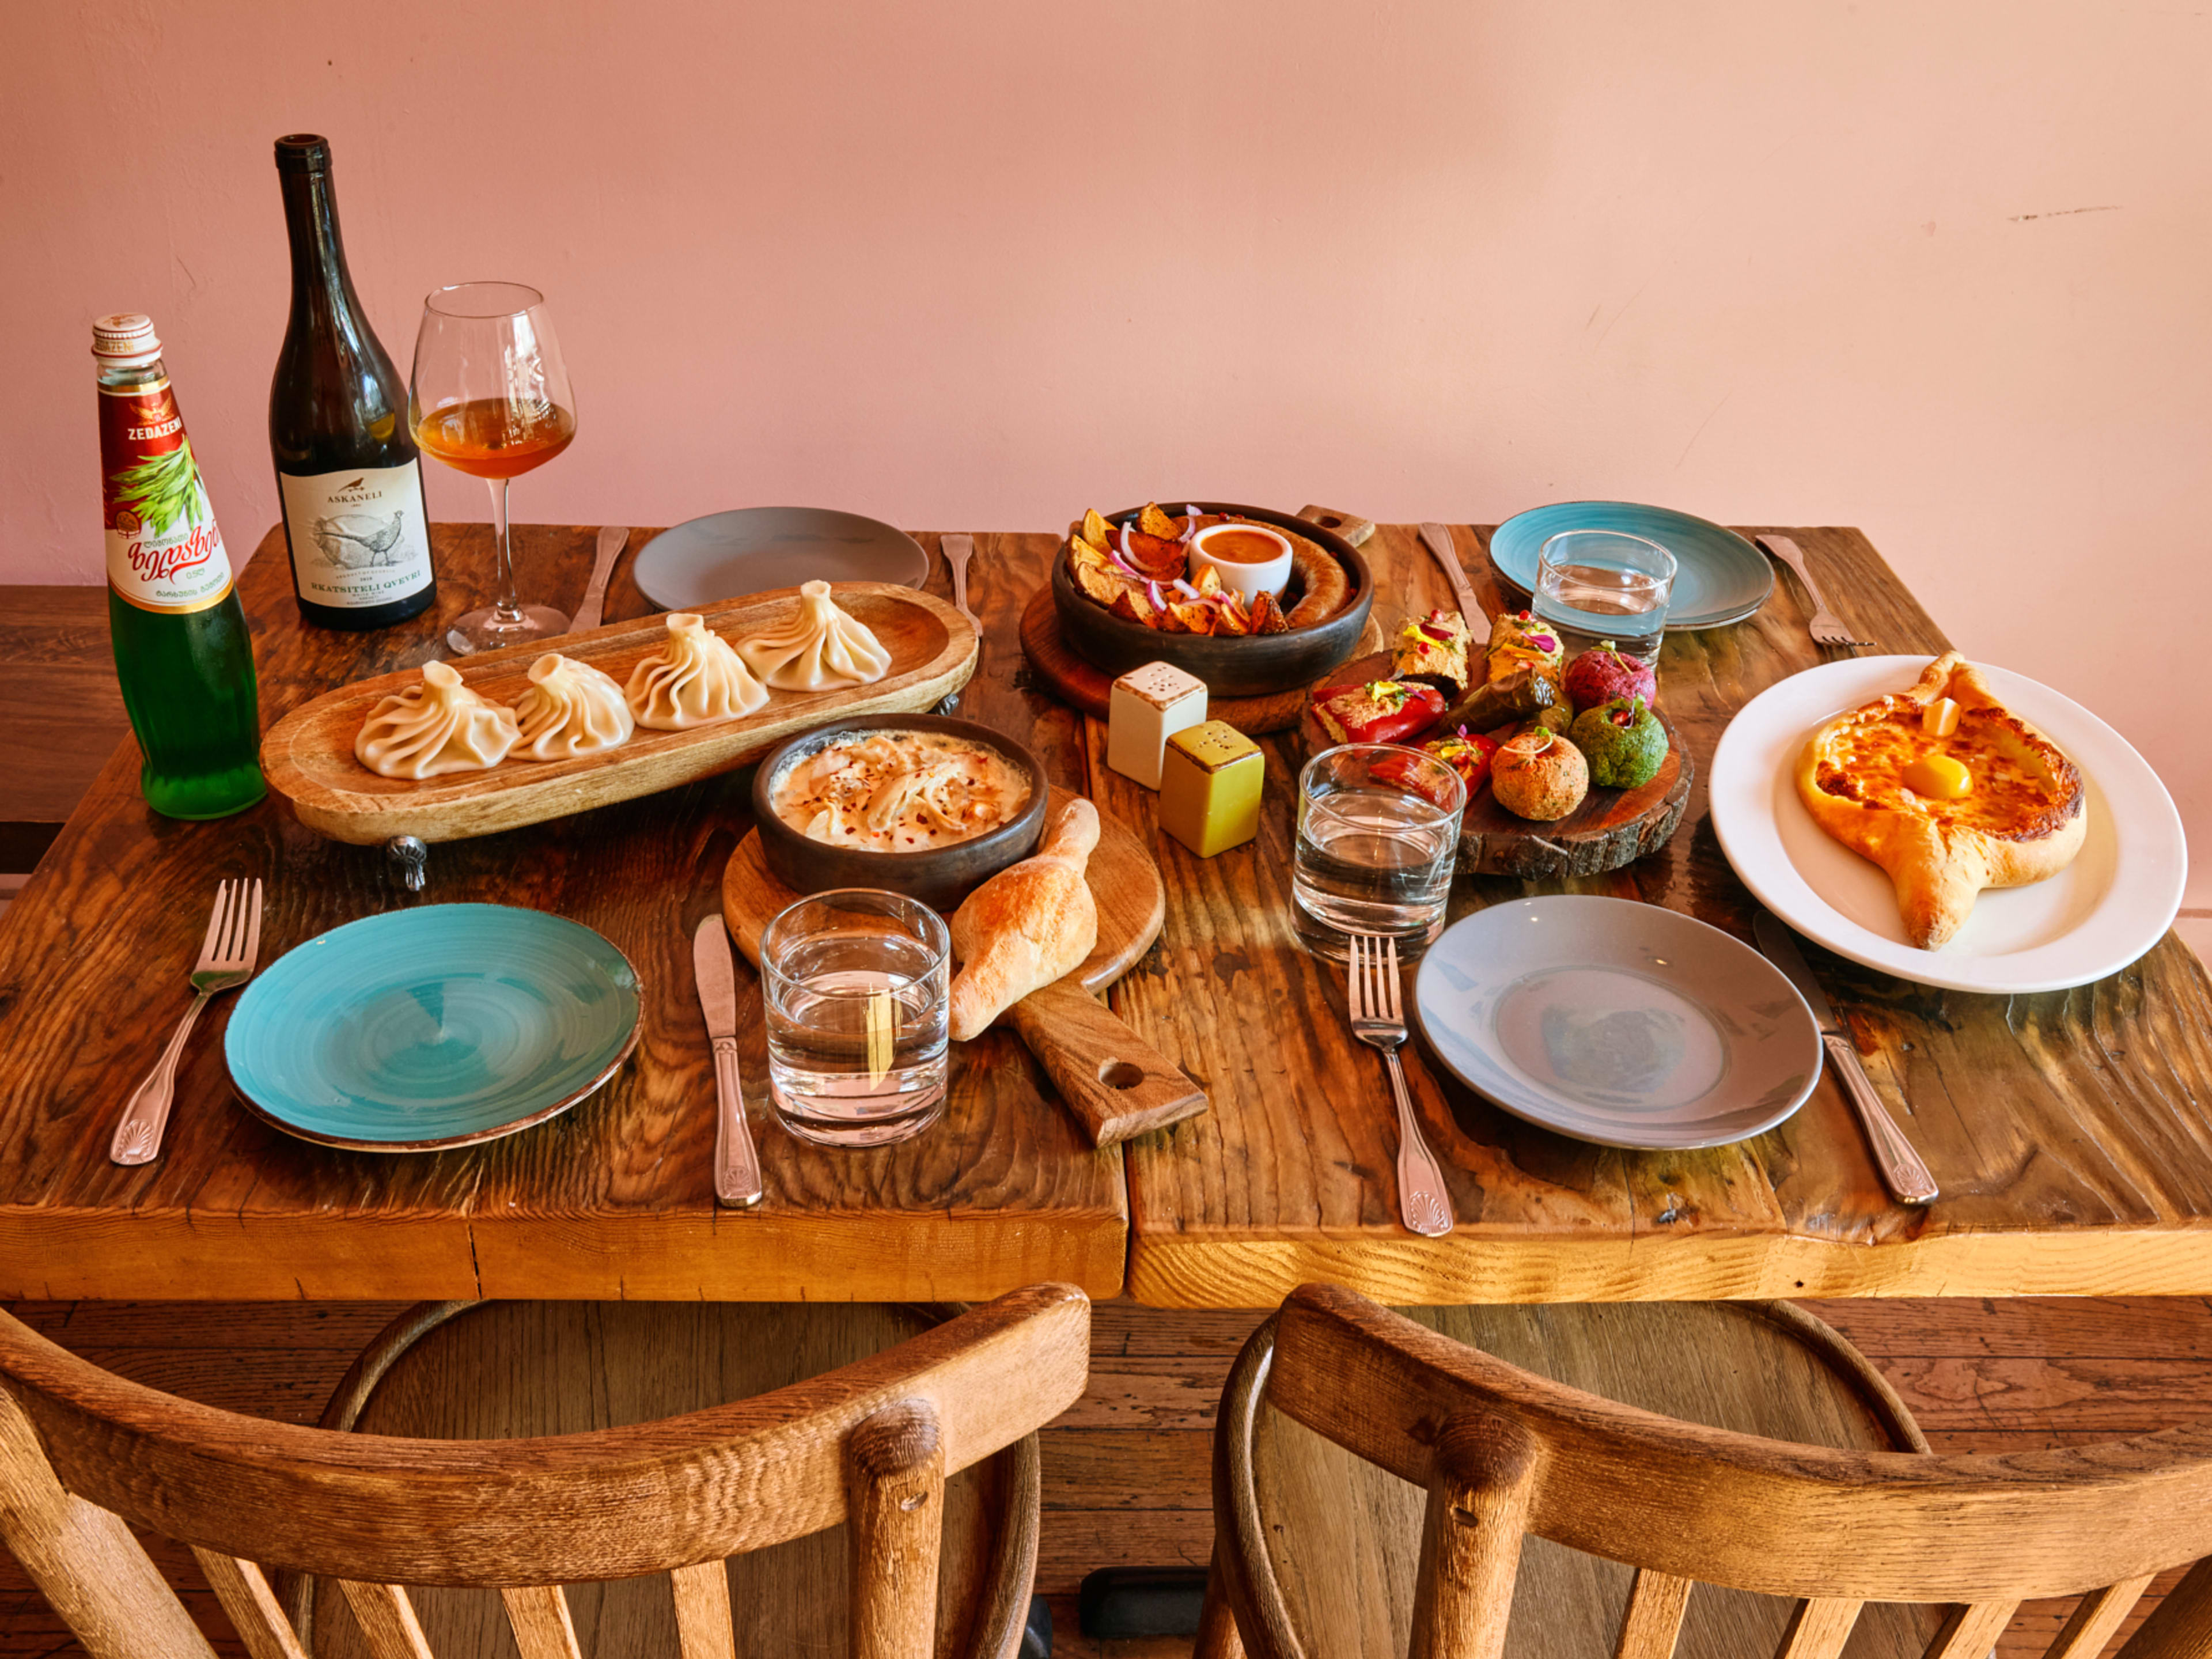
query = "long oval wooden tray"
{"x": 308, "y": 755}
{"x": 1610, "y": 828}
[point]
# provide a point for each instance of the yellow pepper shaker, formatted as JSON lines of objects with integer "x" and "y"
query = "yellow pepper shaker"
{"x": 1210, "y": 781}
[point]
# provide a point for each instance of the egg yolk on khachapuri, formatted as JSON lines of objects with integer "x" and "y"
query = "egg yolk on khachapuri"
{"x": 1963, "y": 766}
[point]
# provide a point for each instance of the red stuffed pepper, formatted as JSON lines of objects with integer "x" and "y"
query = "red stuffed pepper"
{"x": 1380, "y": 711}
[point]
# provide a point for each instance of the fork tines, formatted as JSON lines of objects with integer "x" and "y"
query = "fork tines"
{"x": 234, "y": 931}
{"x": 1371, "y": 977}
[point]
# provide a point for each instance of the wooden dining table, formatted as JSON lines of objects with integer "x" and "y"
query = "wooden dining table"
{"x": 2071, "y": 1131}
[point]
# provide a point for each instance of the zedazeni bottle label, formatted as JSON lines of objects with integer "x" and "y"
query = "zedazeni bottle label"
{"x": 358, "y": 535}
{"x": 164, "y": 552}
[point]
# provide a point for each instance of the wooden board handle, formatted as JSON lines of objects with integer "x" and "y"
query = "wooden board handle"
{"x": 1352, "y": 529}
{"x": 1115, "y": 1083}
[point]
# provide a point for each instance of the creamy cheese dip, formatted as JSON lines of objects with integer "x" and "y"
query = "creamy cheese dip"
{"x": 900, "y": 792}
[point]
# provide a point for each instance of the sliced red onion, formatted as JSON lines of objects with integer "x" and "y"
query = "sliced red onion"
{"x": 1158, "y": 603}
{"x": 1188, "y": 590}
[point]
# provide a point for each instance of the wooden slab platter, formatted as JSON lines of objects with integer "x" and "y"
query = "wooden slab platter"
{"x": 1610, "y": 829}
{"x": 1115, "y": 1083}
{"x": 308, "y": 755}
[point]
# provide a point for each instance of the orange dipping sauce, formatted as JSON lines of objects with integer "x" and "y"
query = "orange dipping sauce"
{"x": 1235, "y": 546}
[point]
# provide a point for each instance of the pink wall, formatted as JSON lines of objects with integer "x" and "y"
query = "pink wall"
{"x": 1937, "y": 271}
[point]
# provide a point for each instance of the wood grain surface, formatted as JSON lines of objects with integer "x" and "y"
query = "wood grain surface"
{"x": 308, "y": 755}
{"x": 61, "y": 713}
{"x": 2071, "y": 1131}
{"x": 616, "y": 1198}
{"x": 1116, "y": 1084}
{"x": 1610, "y": 828}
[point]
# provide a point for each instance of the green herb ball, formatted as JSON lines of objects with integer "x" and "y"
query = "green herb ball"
{"x": 1624, "y": 742}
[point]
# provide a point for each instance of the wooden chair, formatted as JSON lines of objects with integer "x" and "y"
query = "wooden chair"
{"x": 85, "y": 1455}
{"x": 1381, "y": 1488}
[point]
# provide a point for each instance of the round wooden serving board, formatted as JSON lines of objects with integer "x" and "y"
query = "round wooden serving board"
{"x": 1115, "y": 1083}
{"x": 1088, "y": 688}
{"x": 1610, "y": 828}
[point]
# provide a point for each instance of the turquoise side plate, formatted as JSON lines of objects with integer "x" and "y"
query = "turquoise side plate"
{"x": 438, "y": 1026}
{"x": 1719, "y": 577}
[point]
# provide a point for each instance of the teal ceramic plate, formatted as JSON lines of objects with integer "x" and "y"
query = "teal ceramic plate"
{"x": 1617, "y": 1021}
{"x": 439, "y": 1026}
{"x": 1719, "y": 577}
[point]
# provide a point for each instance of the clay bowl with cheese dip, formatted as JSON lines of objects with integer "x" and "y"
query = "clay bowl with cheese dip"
{"x": 921, "y": 804}
{"x": 1257, "y": 664}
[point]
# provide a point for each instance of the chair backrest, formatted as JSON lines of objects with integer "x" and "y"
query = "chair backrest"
{"x": 1503, "y": 1453}
{"x": 83, "y": 1452}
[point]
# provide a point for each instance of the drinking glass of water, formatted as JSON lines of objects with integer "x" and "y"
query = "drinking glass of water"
{"x": 1378, "y": 829}
{"x": 856, "y": 984}
{"x": 1594, "y": 585}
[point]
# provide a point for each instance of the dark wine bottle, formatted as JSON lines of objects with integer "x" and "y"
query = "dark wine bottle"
{"x": 348, "y": 471}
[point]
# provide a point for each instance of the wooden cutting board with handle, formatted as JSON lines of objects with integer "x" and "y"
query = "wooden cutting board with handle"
{"x": 1115, "y": 1083}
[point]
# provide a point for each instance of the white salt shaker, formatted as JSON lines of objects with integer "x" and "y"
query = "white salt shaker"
{"x": 1150, "y": 705}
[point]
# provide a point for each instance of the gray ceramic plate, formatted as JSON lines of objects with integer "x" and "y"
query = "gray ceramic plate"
{"x": 1617, "y": 1021}
{"x": 752, "y": 550}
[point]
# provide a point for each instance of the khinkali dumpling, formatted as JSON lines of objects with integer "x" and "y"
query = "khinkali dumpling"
{"x": 694, "y": 679}
{"x": 439, "y": 726}
{"x": 823, "y": 648}
{"x": 571, "y": 708}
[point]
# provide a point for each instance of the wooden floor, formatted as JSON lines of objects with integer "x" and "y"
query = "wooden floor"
{"x": 1126, "y": 1469}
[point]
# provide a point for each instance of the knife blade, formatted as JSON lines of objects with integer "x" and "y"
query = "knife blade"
{"x": 1439, "y": 539}
{"x": 1902, "y": 1171}
{"x": 737, "y": 1165}
{"x": 612, "y": 537}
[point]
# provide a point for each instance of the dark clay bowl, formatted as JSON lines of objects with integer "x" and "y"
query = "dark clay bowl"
{"x": 1256, "y": 665}
{"x": 939, "y": 876}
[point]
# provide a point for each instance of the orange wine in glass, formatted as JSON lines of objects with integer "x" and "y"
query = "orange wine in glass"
{"x": 489, "y": 397}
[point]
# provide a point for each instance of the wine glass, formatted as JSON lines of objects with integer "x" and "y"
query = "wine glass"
{"x": 488, "y": 395}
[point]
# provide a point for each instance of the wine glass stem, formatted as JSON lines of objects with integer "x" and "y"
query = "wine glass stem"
{"x": 507, "y": 608}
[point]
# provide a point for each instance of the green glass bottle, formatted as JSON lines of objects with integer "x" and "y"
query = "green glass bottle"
{"x": 181, "y": 649}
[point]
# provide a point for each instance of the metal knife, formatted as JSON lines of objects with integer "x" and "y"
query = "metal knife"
{"x": 1902, "y": 1171}
{"x": 612, "y": 537}
{"x": 958, "y": 550}
{"x": 737, "y": 1165}
{"x": 1439, "y": 538}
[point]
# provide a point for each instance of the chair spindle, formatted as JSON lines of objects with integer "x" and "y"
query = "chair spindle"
{"x": 1478, "y": 1511}
{"x": 388, "y": 1620}
{"x": 1818, "y": 1627}
{"x": 2180, "y": 1627}
{"x": 2095, "y": 1617}
{"x": 539, "y": 1618}
{"x": 895, "y": 1520}
{"x": 1652, "y": 1622}
{"x": 703, "y": 1625}
{"x": 1971, "y": 1630}
{"x": 251, "y": 1604}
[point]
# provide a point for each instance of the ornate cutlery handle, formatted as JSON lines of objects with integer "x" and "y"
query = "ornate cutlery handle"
{"x": 1786, "y": 551}
{"x": 146, "y": 1114}
{"x": 1907, "y": 1178}
{"x": 737, "y": 1165}
{"x": 1422, "y": 1203}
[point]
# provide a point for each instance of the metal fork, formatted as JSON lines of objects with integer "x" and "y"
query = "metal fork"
{"x": 1378, "y": 1021}
{"x": 227, "y": 961}
{"x": 1827, "y": 627}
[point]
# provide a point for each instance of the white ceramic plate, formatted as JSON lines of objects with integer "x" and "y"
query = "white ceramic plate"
{"x": 2112, "y": 903}
{"x": 1617, "y": 1021}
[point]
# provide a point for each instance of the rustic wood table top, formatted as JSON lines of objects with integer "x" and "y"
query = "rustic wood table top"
{"x": 2071, "y": 1132}
{"x": 615, "y": 1198}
